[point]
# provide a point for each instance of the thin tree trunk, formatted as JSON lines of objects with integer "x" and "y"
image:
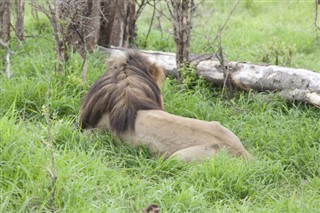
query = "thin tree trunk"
{"x": 92, "y": 35}
{"x": 5, "y": 32}
{"x": 5, "y": 20}
{"x": 185, "y": 31}
{"x": 19, "y": 7}
{"x": 54, "y": 10}
{"x": 181, "y": 13}
{"x": 117, "y": 22}
{"x": 131, "y": 23}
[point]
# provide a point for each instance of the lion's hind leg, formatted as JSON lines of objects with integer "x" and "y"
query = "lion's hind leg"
{"x": 199, "y": 152}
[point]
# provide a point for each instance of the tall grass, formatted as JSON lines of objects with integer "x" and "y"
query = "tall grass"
{"x": 97, "y": 173}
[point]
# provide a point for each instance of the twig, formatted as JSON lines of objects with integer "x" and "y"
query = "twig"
{"x": 14, "y": 29}
{"x": 151, "y": 23}
{"x": 33, "y": 36}
{"x": 18, "y": 39}
{"x": 9, "y": 52}
{"x": 83, "y": 56}
{"x": 211, "y": 43}
{"x": 53, "y": 172}
{"x": 158, "y": 17}
{"x": 225, "y": 23}
{"x": 104, "y": 18}
{"x": 169, "y": 9}
{"x": 84, "y": 68}
{"x": 227, "y": 84}
{"x": 141, "y": 6}
{"x": 162, "y": 13}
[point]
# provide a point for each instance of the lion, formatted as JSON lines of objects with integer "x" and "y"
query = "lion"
{"x": 127, "y": 102}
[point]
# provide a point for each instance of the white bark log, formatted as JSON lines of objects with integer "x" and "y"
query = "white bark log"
{"x": 291, "y": 83}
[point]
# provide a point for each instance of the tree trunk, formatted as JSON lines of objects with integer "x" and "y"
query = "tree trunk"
{"x": 117, "y": 22}
{"x": 94, "y": 23}
{"x": 131, "y": 23}
{"x": 290, "y": 83}
{"x": 5, "y": 20}
{"x": 19, "y": 7}
{"x": 55, "y": 9}
{"x": 181, "y": 18}
{"x": 83, "y": 31}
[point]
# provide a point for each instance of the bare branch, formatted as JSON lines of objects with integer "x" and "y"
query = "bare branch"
{"x": 151, "y": 23}
{"x": 84, "y": 68}
{"x": 169, "y": 9}
{"x": 227, "y": 84}
{"x": 226, "y": 21}
{"x": 212, "y": 41}
{"x": 9, "y": 52}
{"x": 141, "y": 6}
{"x": 49, "y": 143}
{"x": 162, "y": 13}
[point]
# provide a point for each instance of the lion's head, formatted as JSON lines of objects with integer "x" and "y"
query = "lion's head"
{"x": 131, "y": 83}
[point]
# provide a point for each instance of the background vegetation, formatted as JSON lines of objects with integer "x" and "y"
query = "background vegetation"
{"x": 95, "y": 174}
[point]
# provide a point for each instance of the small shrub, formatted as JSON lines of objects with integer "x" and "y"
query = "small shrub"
{"x": 191, "y": 80}
{"x": 276, "y": 52}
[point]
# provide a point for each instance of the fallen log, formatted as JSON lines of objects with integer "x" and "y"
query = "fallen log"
{"x": 290, "y": 83}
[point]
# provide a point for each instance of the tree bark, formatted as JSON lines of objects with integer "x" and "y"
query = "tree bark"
{"x": 5, "y": 20}
{"x": 117, "y": 22}
{"x": 94, "y": 24}
{"x": 84, "y": 27}
{"x": 19, "y": 7}
{"x": 181, "y": 17}
{"x": 290, "y": 83}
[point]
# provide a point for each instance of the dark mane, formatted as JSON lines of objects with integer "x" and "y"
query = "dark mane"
{"x": 128, "y": 85}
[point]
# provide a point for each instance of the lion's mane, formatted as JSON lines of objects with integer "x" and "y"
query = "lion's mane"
{"x": 131, "y": 83}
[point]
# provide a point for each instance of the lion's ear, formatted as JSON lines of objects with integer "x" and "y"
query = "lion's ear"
{"x": 157, "y": 74}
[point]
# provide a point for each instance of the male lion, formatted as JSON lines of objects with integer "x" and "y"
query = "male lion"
{"x": 127, "y": 101}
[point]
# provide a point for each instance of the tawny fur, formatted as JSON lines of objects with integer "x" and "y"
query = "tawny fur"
{"x": 130, "y": 84}
{"x": 127, "y": 101}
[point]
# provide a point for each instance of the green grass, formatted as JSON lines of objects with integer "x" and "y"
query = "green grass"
{"x": 255, "y": 28}
{"x": 97, "y": 174}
